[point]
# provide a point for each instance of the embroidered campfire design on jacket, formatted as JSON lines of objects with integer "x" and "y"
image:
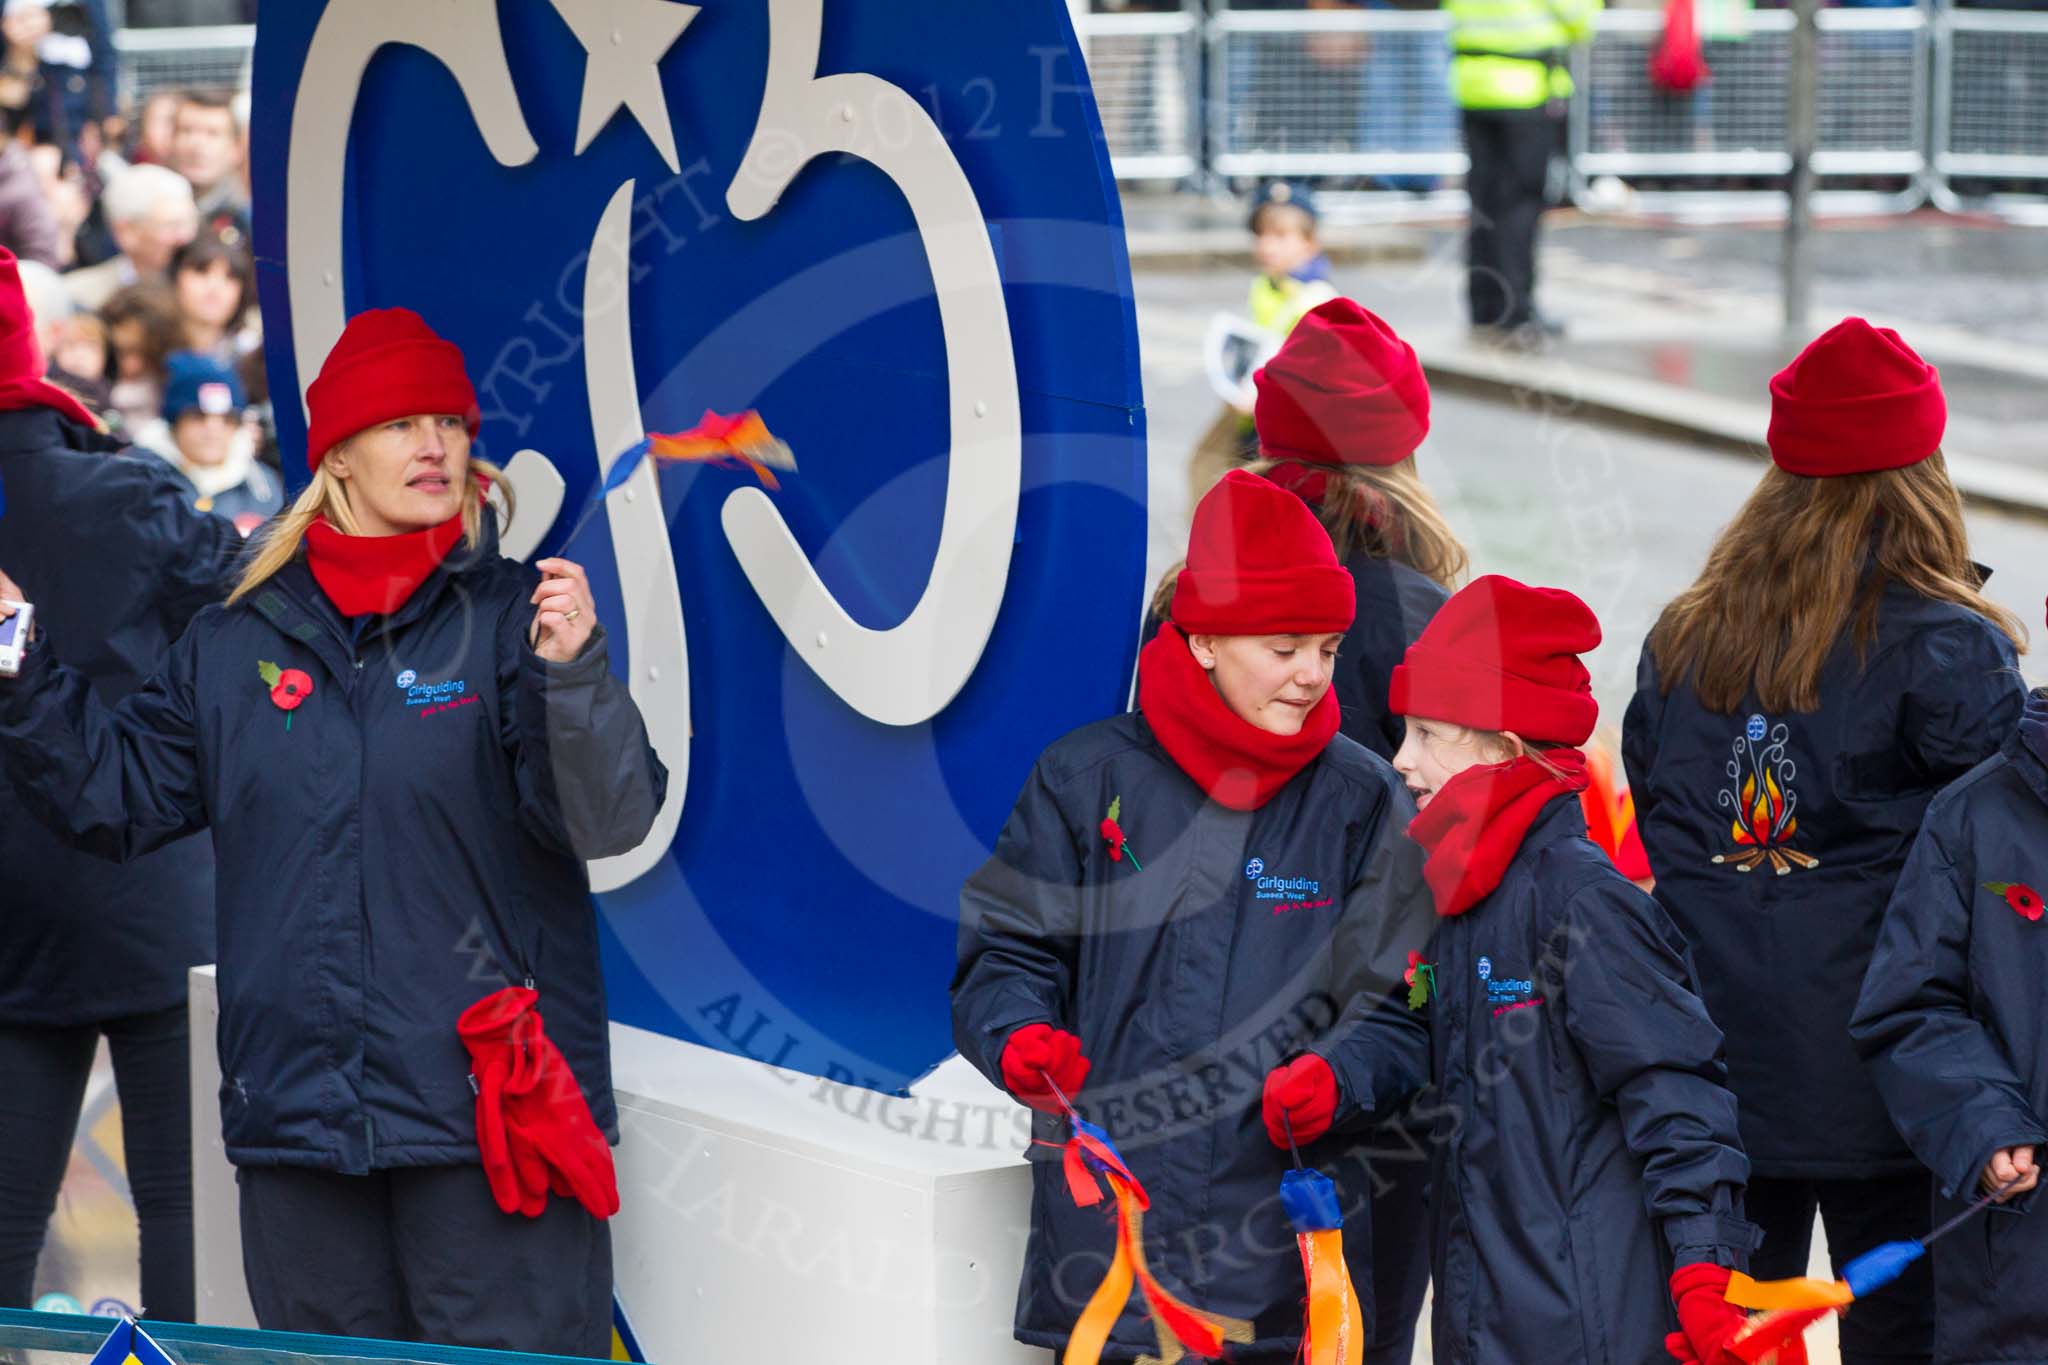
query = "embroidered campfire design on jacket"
{"x": 1763, "y": 801}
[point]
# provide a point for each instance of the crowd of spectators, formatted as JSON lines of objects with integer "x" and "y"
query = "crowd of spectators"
{"x": 132, "y": 224}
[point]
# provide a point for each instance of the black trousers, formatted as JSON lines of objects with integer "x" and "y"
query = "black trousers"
{"x": 1890, "y": 1328}
{"x": 423, "y": 1254}
{"x": 43, "y": 1074}
{"x": 1510, "y": 151}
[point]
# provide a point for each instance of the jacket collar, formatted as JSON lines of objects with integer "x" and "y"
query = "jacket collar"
{"x": 1564, "y": 818}
{"x": 293, "y": 603}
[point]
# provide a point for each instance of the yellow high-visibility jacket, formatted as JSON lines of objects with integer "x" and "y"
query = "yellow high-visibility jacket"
{"x": 1510, "y": 54}
{"x": 1276, "y": 305}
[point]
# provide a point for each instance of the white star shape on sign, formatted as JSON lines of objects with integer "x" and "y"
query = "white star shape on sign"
{"x": 626, "y": 40}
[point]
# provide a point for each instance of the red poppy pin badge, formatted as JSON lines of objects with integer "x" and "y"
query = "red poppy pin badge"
{"x": 289, "y": 688}
{"x": 2024, "y": 899}
{"x": 1113, "y": 835}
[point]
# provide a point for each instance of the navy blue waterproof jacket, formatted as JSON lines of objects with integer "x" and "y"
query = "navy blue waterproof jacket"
{"x": 1585, "y": 1143}
{"x": 1954, "y": 1022}
{"x": 117, "y": 565}
{"x": 1776, "y": 839}
{"x": 1394, "y": 603}
{"x": 414, "y": 838}
{"x": 1248, "y": 937}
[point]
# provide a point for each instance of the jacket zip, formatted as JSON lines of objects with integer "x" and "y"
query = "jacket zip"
{"x": 355, "y": 697}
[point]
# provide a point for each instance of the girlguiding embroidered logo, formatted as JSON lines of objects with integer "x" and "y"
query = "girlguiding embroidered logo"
{"x": 1485, "y": 968}
{"x": 1281, "y": 888}
{"x": 408, "y": 678}
{"x": 1285, "y": 888}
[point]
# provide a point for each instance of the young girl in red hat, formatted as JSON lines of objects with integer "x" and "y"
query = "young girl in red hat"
{"x": 1835, "y": 665}
{"x": 1342, "y": 409}
{"x": 1187, "y": 898}
{"x": 1585, "y": 1146}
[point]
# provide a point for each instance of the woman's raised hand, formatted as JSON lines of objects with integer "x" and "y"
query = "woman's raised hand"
{"x": 565, "y": 614}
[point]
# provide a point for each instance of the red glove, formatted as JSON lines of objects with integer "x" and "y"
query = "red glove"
{"x": 496, "y": 1031}
{"x": 1037, "y": 1051}
{"x": 534, "y": 1127}
{"x": 1708, "y": 1321}
{"x": 1305, "y": 1090}
{"x": 551, "y": 1114}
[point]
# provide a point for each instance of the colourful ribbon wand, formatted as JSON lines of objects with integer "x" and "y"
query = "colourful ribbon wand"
{"x": 1334, "y": 1333}
{"x": 740, "y": 441}
{"x": 1791, "y": 1306}
{"x": 1181, "y": 1330}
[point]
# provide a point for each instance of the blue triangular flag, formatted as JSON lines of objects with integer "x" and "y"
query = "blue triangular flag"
{"x": 115, "y": 1349}
{"x": 128, "y": 1344}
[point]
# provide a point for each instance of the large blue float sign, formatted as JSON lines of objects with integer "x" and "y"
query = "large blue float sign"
{"x": 889, "y": 226}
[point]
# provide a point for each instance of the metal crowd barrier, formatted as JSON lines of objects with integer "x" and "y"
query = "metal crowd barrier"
{"x": 210, "y": 58}
{"x": 1874, "y": 102}
{"x": 1345, "y": 92}
{"x": 1146, "y": 70}
{"x": 1990, "y": 106}
{"x": 1951, "y": 104}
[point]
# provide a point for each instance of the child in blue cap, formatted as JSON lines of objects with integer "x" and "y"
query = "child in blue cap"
{"x": 209, "y": 443}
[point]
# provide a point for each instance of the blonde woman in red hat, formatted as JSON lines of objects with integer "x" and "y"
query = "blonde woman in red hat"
{"x": 1187, "y": 898}
{"x": 1588, "y": 1195}
{"x": 1834, "y": 666}
{"x": 405, "y": 746}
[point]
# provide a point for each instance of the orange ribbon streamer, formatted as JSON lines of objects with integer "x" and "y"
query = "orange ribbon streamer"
{"x": 1336, "y": 1335}
{"x": 1745, "y": 1292}
{"x": 742, "y": 439}
{"x": 1181, "y": 1330}
{"x": 1789, "y": 1307}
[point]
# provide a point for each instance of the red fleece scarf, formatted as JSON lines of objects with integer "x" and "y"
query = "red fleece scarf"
{"x": 1235, "y": 762}
{"x": 376, "y": 575}
{"x": 1474, "y": 826}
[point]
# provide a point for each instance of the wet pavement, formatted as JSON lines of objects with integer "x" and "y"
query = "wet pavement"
{"x": 1535, "y": 489}
{"x": 1695, "y": 310}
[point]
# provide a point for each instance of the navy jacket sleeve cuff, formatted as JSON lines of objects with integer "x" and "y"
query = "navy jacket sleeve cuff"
{"x": 1711, "y": 1238}
{"x": 1967, "y": 1185}
{"x": 592, "y": 662}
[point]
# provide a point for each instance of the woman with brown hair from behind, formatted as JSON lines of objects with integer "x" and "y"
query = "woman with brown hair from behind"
{"x": 1835, "y": 666}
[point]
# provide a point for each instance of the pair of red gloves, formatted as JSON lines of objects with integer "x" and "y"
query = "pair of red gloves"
{"x": 1304, "y": 1090}
{"x": 533, "y": 1125}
